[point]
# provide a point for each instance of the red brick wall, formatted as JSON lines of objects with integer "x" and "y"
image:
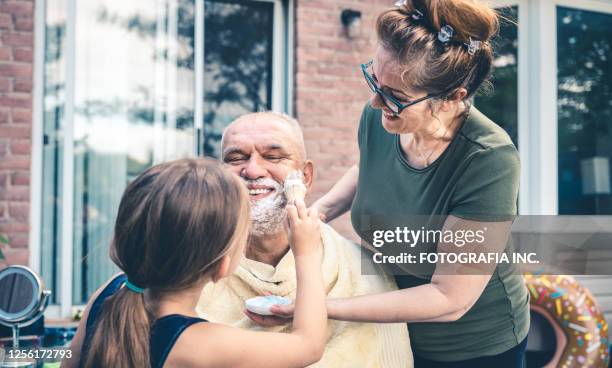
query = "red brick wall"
{"x": 330, "y": 91}
{"x": 16, "y": 49}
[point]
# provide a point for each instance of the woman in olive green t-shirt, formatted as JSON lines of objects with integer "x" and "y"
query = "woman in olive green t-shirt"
{"x": 424, "y": 151}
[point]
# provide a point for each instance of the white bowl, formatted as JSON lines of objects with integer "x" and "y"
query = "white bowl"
{"x": 262, "y": 304}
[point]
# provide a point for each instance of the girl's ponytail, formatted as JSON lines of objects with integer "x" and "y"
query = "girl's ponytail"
{"x": 175, "y": 222}
{"x": 121, "y": 337}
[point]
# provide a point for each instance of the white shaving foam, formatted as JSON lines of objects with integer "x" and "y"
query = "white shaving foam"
{"x": 268, "y": 214}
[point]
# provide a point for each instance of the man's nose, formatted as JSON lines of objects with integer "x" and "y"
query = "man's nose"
{"x": 253, "y": 169}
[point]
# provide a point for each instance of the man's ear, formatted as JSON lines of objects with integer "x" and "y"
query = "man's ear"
{"x": 308, "y": 172}
{"x": 223, "y": 269}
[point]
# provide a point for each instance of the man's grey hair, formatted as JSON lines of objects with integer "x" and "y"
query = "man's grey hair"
{"x": 279, "y": 117}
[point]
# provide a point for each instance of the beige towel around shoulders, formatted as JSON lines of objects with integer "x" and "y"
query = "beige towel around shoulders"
{"x": 350, "y": 344}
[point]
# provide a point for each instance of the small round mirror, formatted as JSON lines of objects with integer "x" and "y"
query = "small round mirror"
{"x": 20, "y": 290}
{"x": 23, "y": 298}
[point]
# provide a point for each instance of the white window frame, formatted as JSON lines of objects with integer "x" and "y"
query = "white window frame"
{"x": 523, "y": 98}
{"x": 282, "y": 101}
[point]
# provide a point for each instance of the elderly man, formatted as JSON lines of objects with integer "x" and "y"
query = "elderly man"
{"x": 263, "y": 148}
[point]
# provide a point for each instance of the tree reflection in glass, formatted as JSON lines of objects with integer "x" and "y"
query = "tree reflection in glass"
{"x": 238, "y": 64}
{"x": 501, "y": 103}
{"x": 134, "y": 102}
{"x": 584, "y": 111}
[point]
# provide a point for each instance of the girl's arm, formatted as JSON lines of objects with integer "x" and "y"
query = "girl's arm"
{"x": 76, "y": 343}
{"x": 218, "y": 346}
{"x": 221, "y": 346}
{"x": 340, "y": 198}
{"x": 79, "y": 337}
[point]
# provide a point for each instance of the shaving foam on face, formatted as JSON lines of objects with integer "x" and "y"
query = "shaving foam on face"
{"x": 268, "y": 214}
{"x": 294, "y": 186}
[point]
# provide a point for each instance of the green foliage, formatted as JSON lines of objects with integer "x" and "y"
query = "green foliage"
{"x": 584, "y": 105}
{"x": 237, "y": 59}
{"x": 3, "y": 241}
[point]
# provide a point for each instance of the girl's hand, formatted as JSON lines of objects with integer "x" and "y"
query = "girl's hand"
{"x": 304, "y": 229}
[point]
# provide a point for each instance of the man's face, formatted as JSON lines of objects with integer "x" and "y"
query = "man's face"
{"x": 263, "y": 151}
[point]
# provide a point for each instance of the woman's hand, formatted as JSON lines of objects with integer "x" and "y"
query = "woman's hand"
{"x": 340, "y": 198}
{"x": 304, "y": 229}
{"x": 323, "y": 210}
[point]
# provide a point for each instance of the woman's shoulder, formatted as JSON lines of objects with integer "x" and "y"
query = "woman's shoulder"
{"x": 371, "y": 129}
{"x": 369, "y": 114}
{"x": 485, "y": 134}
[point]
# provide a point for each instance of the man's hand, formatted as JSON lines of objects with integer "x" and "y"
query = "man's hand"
{"x": 284, "y": 315}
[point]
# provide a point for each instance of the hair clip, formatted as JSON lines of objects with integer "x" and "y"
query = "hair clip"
{"x": 416, "y": 15}
{"x": 445, "y": 34}
{"x": 473, "y": 46}
{"x": 401, "y": 3}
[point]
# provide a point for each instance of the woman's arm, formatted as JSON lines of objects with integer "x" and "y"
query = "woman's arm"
{"x": 340, "y": 198}
{"x": 444, "y": 300}
{"x": 452, "y": 291}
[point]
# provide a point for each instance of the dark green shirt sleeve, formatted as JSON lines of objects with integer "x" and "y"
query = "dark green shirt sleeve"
{"x": 362, "y": 132}
{"x": 488, "y": 189}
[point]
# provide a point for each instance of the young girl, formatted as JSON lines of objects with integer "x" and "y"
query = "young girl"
{"x": 180, "y": 225}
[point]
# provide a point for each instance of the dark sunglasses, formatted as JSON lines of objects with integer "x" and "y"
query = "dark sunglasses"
{"x": 391, "y": 102}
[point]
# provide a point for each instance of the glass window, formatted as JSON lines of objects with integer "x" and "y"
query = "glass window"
{"x": 501, "y": 104}
{"x": 584, "y": 111}
{"x": 134, "y": 102}
{"x": 238, "y": 64}
{"x": 133, "y": 108}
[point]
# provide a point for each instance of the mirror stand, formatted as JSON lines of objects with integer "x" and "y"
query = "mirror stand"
{"x": 16, "y": 326}
{"x": 15, "y": 337}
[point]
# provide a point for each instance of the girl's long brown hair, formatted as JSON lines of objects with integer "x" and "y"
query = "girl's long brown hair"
{"x": 175, "y": 222}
